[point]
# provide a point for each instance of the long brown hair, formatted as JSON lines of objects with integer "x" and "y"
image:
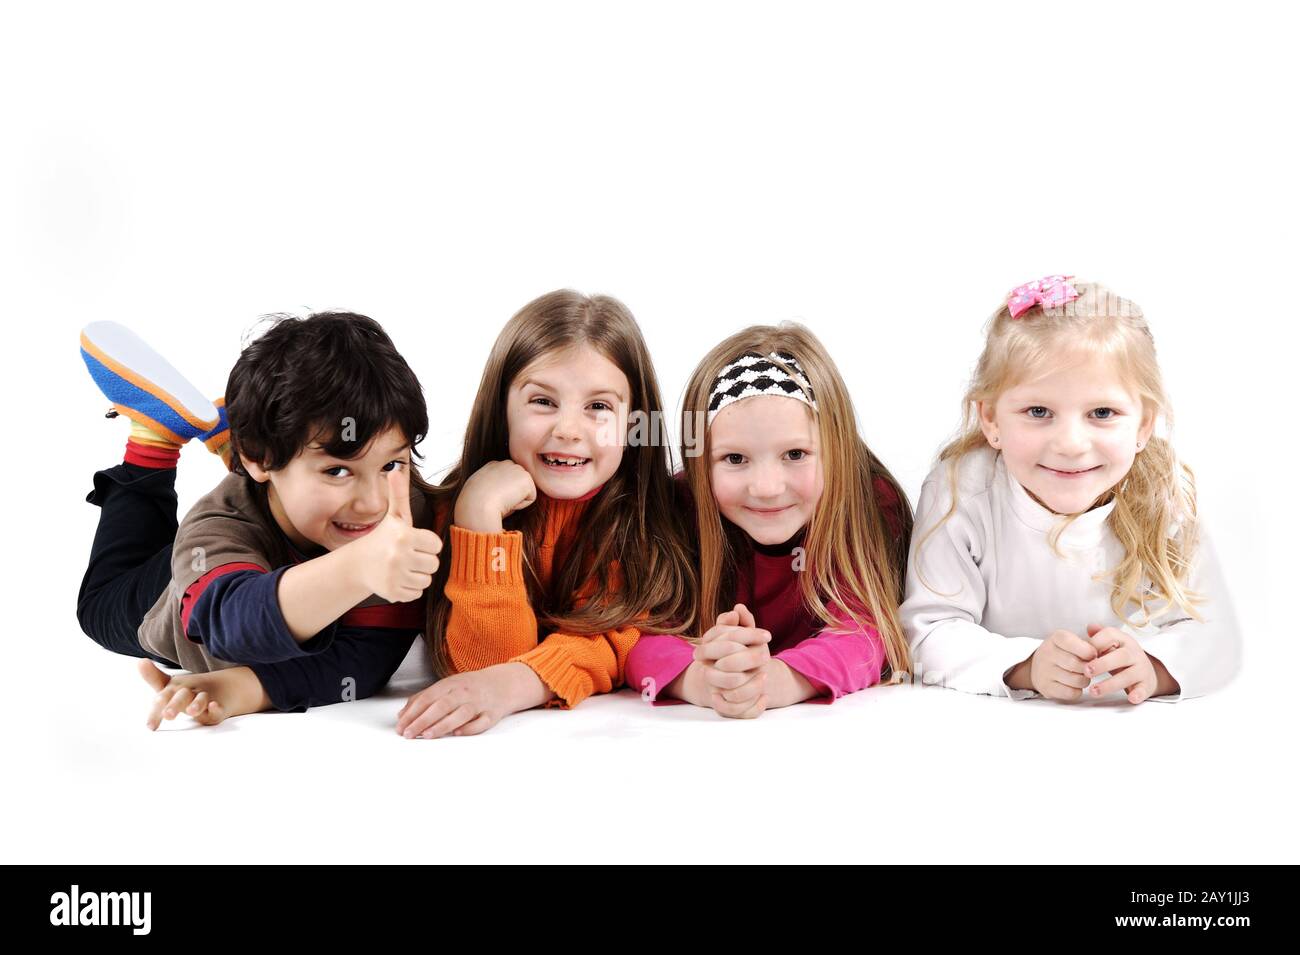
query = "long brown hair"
{"x": 632, "y": 522}
{"x": 853, "y": 558}
{"x": 1154, "y": 516}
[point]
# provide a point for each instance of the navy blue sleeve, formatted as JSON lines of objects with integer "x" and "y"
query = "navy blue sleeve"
{"x": 238, "y": 619}
{"x": 358, "y": 664}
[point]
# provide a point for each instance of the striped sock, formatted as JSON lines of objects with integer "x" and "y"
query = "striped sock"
{"x": 147, "y": 448}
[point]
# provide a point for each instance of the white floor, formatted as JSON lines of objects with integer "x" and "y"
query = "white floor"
{"x": 881, "y": 175}
{"x": 890, "y": 774}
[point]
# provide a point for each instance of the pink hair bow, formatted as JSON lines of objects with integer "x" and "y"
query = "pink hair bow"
{"x": 1049, "y": 292}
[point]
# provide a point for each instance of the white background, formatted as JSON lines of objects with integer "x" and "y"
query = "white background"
{"x": 883, "y": 175}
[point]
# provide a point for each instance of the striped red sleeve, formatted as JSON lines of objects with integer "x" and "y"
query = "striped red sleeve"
{"x": 195, "y": 590}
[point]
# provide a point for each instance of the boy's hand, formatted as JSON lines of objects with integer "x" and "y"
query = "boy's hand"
{"x": 208, "y": 698}
{"x": 1120, "y": 654}
{"x": 492, "y": 493}
{"x": 396, "y": 560}
{"x": 461, "y": 705}
{"x": 1056, "y": 668}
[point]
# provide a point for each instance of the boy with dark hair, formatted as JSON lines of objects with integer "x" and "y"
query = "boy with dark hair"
{"x": 299, "y": 580}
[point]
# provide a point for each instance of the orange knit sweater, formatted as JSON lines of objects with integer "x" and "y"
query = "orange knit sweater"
{"x": 492, "y": 621}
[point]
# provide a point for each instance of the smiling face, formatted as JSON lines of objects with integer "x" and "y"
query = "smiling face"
{"x": 326, "y": 502}
{"x": 567, "y": 416}
{"x": 765, "y": 466}
{"x": 1069, "y": 436}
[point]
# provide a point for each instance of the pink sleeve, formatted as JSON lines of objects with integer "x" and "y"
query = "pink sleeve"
{"x": 655, "y": 661}
{"x": 838, "y": 663}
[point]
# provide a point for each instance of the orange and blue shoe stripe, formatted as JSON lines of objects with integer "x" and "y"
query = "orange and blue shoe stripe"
{"x": 221, "y": 433}
{"x": 140, "y": 399}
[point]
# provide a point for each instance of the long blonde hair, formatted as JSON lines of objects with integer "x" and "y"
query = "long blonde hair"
{"x": 853, "y": 557}
{"x": 1159, "y": 492}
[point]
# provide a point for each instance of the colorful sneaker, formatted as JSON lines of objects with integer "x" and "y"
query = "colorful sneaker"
{"x": 218, "y": 439}
{"x": 144, "y": 386}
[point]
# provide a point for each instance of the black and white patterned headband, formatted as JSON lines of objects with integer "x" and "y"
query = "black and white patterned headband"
{"x": 753, "y": 374}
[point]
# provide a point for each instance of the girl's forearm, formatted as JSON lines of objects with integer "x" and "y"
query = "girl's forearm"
{"x": 1165, "y": 683}
{"x": 1018, "y": 676}
{"x": 689, "y": 686}
{"x": 527, "y": 690}
{"x": 786, "y": 686}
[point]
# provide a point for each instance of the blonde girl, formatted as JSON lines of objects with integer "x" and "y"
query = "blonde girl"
{"x": 1058, "y": 551}
{"x": 802, "y": 536}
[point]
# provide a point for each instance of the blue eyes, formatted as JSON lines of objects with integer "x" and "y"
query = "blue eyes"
{"x": 1039, "y": 413}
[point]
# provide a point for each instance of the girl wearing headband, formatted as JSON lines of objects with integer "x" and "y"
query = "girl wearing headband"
{"x": 1058, "y": 551}
{"x": 565, "y": 536}
{"x": 802, "y": 537}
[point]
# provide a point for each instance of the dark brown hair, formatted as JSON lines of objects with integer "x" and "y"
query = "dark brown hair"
{"x": 332, "y": 377}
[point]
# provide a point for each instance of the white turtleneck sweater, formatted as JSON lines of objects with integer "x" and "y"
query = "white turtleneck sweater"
{"x": 986, "y": 589}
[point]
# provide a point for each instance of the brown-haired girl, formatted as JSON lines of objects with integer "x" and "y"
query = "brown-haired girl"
{"x": 802, "y": 536}
{"x": 561, "y": 524}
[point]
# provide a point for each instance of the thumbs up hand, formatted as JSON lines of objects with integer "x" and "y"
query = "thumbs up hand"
{"x": 396, "y": 560}
{"x": 399, "y": 495}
